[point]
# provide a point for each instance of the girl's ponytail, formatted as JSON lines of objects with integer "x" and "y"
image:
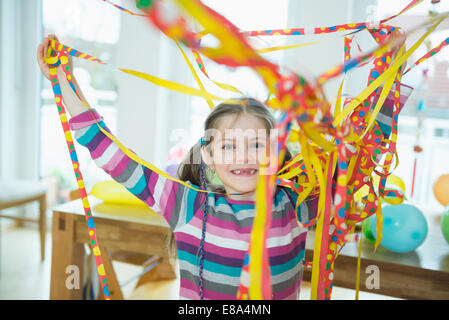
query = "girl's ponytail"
{"x": 189, "y": 169}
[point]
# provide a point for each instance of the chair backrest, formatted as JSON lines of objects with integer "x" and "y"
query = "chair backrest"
{"x": 74, "y": 194}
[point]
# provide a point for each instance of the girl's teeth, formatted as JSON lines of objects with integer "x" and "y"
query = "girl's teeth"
{"x": 252, "y": 171}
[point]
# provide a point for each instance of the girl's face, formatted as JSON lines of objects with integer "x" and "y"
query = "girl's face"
{"x": 237, "y": 150}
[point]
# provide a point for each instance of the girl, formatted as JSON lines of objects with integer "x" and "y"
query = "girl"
{"x": 212, "y": 230}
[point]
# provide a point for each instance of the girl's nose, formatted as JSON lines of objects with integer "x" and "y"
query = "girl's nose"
{"x": 241, "y": 156}
{"x": 246, "y": 155}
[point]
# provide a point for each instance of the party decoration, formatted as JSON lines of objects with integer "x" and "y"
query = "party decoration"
{"x": 404, "y": 227}
{"x": 62, "y": 60}
{"x": 441, "y": 189}
{"x": 113, "y": 192}
{"x": 445, "y": 225}
{"x": 367, "y": 229}
{"x": 341, "y": 151}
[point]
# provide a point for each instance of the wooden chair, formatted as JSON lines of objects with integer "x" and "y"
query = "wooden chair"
{"x": 151, "y": 285}
{"x": 14, "y": 193}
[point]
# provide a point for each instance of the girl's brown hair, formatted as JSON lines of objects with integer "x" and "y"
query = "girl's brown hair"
{"x": 189, "y": 169}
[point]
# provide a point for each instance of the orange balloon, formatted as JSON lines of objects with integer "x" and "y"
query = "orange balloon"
{"x": 441, "y": 189}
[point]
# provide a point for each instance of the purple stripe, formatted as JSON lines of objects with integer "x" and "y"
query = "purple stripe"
{"x": 226, "y": 226}
{"x": 146, "y": 195}
{"x": 281, "y": 259}
{"x": 98, "y": 144}
{"x": 235, "y": 262}
{"x": 230, "y": 225}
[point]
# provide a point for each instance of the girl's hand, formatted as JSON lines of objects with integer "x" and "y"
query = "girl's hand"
{"x": 71, "y": 100}
{"x": 42, "y": 51}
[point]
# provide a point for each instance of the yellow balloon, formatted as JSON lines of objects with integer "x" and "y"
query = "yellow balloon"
{"x": 393, "y": 182}
{"x": 113, "y": 192}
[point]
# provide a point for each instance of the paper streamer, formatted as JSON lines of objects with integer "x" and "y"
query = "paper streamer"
{"x": 62, "y": 59}
{"x": 357, "y": 146}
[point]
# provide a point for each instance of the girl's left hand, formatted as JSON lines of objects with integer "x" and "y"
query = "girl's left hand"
{"x": 41, "y": 53}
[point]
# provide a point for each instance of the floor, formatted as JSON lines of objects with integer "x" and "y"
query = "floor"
{"x": 24, "y": 276}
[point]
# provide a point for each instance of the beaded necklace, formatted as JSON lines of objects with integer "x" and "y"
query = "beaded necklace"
{"x": 203, "y": 230}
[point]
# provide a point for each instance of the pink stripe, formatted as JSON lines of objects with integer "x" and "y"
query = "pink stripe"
{"x": 150, "y": 200}
{"x": 165, "y": 196}
{"x": 189, "y": 294}
{"x": 220, "y": 232}
{"x": 212, "y": 295}
{"x": 152, "y": 182}
{"x": 101, "y": 148}
{"x": 84, "y": 119}
{"x": 234, "y": 226}
{"x": 168, "y": 210}
{"x": 232, "y": 253}
{"x": 114, "y": 161}
{"x": 242, "y": 202}
{"x": 121, "y": 166}
{"x": 227, "y": 224}
{"x": 283, "y": 231}
{"x": 282, "y": 222}
{"x": 190, "y": 288}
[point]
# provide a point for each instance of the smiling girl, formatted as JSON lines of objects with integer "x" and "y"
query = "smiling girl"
{"x": 212, "y": 230}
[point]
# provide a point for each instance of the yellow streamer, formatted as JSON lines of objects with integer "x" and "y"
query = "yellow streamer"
{"x": 318, "y": 234}
{"x": 357, "y": 284}
{"x": 383, "y": 96}
{"x": 172, "y": 85}
{"x": 197, "y": 79}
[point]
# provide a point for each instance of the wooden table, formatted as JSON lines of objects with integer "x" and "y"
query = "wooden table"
{"x": 420, "y": 274}
{"x": 126, "y": 233}
{"x": 14, "y": 193}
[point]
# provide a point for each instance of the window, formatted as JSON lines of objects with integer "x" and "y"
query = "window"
{"x": 91, "y": 27}
{"x": 270, "y": 14}
{"x": 432, "y": 133}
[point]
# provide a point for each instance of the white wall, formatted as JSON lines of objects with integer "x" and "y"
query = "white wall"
{"x": 148, "y": 113}
{"x": 321, "y": 57}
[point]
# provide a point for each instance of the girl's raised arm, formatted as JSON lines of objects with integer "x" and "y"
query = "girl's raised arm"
{"x": 165, "y": 196}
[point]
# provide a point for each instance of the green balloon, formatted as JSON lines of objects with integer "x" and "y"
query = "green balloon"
{"x": 367, "y": 229}
{"x": 445, "y": 225}
{"x": 142, "y": 4}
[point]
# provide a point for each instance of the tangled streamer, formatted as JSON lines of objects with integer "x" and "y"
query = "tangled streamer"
{"x": 341, "y": 150}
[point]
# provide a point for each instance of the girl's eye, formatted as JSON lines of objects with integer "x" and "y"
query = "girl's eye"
{"x": 228, "y": 147}
{"x": 257, "y": 145}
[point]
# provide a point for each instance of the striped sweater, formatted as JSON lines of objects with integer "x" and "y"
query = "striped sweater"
{"x": 228, "y": 228}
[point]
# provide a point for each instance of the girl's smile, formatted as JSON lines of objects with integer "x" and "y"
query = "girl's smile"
{"x": 237, "y": 149}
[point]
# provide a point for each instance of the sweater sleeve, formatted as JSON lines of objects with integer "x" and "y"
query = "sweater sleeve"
{"x": 307, "y": 210}
{"x": 165, "y": 196}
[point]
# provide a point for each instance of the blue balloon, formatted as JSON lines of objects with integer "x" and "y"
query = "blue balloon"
{"x": 404, "y": 227}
